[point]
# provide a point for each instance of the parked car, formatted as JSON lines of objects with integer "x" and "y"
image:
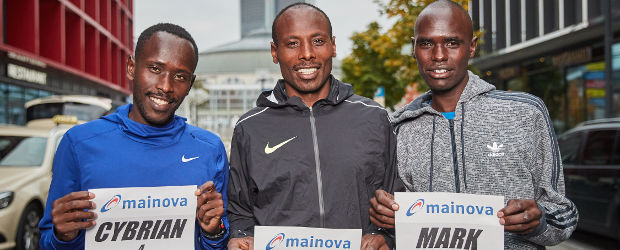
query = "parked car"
{"x": 591, "y": 158}
{"x": 85, "y": 108}
{"x": 26, "y": 156}
{"x": 26, "y": 159}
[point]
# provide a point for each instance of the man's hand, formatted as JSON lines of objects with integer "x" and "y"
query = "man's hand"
{"x": 245, "y": 243}
{"x": 210, "y": 208}
{"x": 374, "y": 242}
{"x": 382, "y": 208}
{"x": 69, "y": 217}
{"x": 520, "y": 216}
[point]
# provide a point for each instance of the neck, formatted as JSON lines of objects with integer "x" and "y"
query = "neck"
{"x": 446, "y": 101}
{"x": 309, "y": 98}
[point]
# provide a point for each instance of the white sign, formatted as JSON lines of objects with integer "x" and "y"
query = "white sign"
{"x": 271, "y": 237}
{"x": 433, "y": 220}
{"x": 26, "y": 74}
{"x": 143, "y": 218}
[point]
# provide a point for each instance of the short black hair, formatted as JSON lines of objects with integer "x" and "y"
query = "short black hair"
{"x": 274, "y": 32}
{"x": 165, "y": 27}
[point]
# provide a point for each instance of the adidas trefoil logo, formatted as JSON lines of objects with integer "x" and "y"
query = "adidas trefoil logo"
{"x": 495, "y": 150}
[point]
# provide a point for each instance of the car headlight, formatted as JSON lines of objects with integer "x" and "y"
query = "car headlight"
{"x": 5, "y": 199}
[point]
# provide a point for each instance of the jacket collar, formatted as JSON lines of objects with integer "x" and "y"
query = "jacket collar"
{"x": 277, "y": 98}
{"x": 165, "y": 135}
{"x": 475, "y": 87}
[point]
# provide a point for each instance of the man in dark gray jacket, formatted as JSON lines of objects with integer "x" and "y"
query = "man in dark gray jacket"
{"x": 466, "y": 137}
{"x": 312, "y": 153}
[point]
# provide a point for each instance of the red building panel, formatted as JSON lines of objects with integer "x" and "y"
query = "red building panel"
{"x": 91, "y": 58}
{"x": 21, "y": 26}
{"x": 114, "y": 19}
{"x": 92, "y": 8}
{"x": 105, "y": 55}
{"x": 1, "y": 22}
{"x": 88, "y": 38}
{"x": 74, "y": 40}
{"x": 51, "y": 39}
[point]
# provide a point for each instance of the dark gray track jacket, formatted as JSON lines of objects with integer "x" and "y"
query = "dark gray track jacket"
{"x": 291, "y": 165}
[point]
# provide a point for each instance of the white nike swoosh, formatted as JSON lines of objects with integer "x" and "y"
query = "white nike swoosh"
{"x": 269, "y": 150}
{"x": 183, "y": 159}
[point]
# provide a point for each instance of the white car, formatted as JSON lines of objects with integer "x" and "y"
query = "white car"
{"x": 26, "y": 157}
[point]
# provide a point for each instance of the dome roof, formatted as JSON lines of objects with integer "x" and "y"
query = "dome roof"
{"x": 244, "y": 56}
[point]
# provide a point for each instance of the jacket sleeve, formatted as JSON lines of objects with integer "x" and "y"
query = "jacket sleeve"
{"x": 391, "y": 181}
{"x": 239, "y": 192}
{"x": 559, "y": 214}
{"x": 221, "y": 182}
{"x": 65, "y": 179}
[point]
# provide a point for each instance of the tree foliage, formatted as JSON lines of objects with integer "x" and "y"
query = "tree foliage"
{"x": 384, "y": 58}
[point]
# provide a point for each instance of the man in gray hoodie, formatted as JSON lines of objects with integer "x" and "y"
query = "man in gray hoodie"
{"x": 466, "y": 137}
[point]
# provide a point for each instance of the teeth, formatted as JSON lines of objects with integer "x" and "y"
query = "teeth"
{"x": 158, "y": 101}
{"x": 307, "y": 71}
{"x": 440, "y": 71}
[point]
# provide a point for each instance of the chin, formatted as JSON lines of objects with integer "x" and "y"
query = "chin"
{"x": 159, "y": 122}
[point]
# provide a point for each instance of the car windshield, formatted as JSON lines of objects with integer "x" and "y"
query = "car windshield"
{"x": 22, "y": 150}
{"x": 83, "y": 112}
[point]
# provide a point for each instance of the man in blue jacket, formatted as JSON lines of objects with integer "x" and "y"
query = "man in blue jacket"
{"x": 141, "y": 145}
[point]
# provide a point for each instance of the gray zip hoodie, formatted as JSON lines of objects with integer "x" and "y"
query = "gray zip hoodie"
{"x": 499, "y": 143}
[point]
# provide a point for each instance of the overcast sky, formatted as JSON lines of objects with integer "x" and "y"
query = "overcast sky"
{"x": 217, "y": 22}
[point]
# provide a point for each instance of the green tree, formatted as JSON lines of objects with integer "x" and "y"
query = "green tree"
{"x": 382, "y": 58}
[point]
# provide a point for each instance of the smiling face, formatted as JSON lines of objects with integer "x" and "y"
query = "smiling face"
{"x": 162, "y": 76}
{"x": 304, "y": 50}
{"x": 443, "y": 45}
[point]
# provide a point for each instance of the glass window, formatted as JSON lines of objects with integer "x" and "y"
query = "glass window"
{"x": 22, "y": 151}
{"x": 3, "y": 102}
{"x": 569, "y": 147}
{"x": 599, "y": 147}
{"x": 15, "y": 105}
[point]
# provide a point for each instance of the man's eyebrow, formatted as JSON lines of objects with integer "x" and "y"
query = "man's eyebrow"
{"x": 291, "y": 37}
{"x": 453, "y": 39}
{"x": 423, "y": 39}
{"x": 162, "y": 64}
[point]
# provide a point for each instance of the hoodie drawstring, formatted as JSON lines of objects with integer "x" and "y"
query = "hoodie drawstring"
{"x": 430, "y": 185}
{"x": 463, "y": 145}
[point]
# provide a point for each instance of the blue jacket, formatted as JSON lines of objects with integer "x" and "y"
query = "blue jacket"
{"x": 115, "y": 151}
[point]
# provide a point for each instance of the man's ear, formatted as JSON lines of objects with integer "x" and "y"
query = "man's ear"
{"x": 131, "y": 67}
{"x": 274, "y": 52}
{"x": 413, "y": 46}
{"x": 472, "y": 47}
{"x": 334, "y": 46}
{"x": 191, "y": 84}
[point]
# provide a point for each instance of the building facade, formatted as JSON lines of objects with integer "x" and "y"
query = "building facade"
{"x": 553, "y": 49}
{"x": 51, "y": 47}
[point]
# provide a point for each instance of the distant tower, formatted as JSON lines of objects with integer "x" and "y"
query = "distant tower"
{"x": 257, "y": 16}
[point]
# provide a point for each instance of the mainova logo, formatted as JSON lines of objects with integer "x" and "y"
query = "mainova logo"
{"x": 417, "y": 205}
{"x": 275, "y": 241}
{"x": 449, "y": 208}
{"x": 145, "y": 203}
{"x": 111, "y": 203}
{"x": 307, "y": 242}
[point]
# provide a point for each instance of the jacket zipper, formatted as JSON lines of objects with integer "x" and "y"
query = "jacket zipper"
{"x": 454, "y": 157}
{"x": 319, "y": 181}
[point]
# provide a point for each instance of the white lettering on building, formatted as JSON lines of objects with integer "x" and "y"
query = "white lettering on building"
{"x": 26, "y": 74}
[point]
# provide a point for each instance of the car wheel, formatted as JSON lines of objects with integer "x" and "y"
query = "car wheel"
{"x": 28, "y": 233}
